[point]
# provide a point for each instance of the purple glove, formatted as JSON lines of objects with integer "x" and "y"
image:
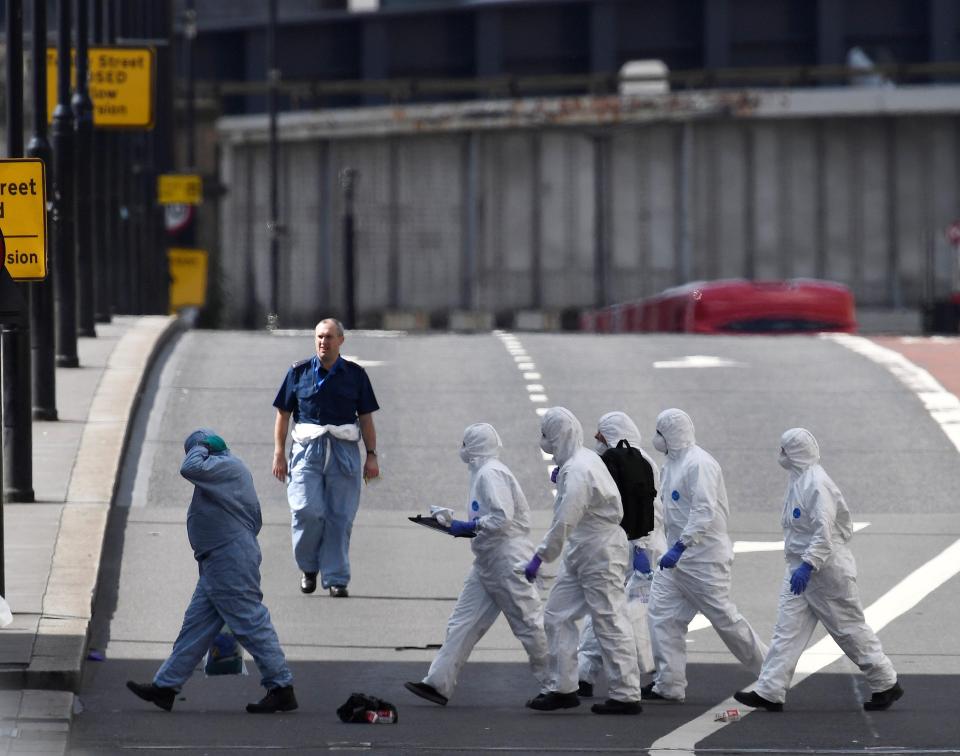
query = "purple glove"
{"x": 461, "y": 528}
{"x": 640, "y": 561}
{"x": 800, "y": 578}
{"x": 553, "y": 474}
{"x": 530, "y": 571}
{"x": 671, "y": 558}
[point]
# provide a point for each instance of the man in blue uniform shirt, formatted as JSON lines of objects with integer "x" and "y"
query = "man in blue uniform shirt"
{"x": 332, "y": 403}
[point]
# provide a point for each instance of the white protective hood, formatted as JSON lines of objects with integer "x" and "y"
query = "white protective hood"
{"x": 816, "y": 519}
{"x": 676, "y": 427}
{"x": 480, "y": 443}
{"x": 563, "y": 431}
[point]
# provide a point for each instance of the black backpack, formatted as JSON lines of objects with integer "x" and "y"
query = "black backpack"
{"x": 633, "y": 475}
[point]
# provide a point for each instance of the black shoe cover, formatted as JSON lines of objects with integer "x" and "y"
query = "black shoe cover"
{"x": 884, "y": 699}
{"x": 277, "y": 699}
{"x": 553, "y": 701}
{"x": 756, "y": 701}
{"x": 162, "y": 697}
{"x": 426, "y": 691}
{"x": 585, "y": 690}
{"x": 613, "y": 706}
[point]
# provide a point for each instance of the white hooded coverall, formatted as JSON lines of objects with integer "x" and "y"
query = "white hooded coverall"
{"x": 816, "y": 528}
{"x": 615, "y": 427}
{"x": 695, "y": 512}
{"x": 586, "y": 528}
{"x": 498, "y": 505}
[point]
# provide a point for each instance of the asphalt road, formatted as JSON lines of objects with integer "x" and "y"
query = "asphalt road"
{"x": 896, "y": 467}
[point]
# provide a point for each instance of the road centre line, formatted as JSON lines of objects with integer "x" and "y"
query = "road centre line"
{"x": 944, "y": 408}
{"x": 897, "y": 601}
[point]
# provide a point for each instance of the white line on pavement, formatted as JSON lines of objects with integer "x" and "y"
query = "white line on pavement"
{"x": 943, "y": 406}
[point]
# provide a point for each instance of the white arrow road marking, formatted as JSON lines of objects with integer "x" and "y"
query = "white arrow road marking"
{"x": 897, "y": 601}
{"x": 746, "y": 547}
{"x": 364, "y": 363}
{"x": 698, "y": 361}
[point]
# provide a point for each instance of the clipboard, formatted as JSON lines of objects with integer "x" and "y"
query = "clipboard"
{"x": 431, "y": 522}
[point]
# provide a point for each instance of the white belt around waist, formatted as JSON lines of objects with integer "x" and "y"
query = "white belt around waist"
{"x": 304, "y": 433}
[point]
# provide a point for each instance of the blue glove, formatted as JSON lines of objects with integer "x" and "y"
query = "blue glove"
{"x": 553, "y": 474}
{"x": 530, "y": 571}
{"x": 671, "y": 558}
{"x": 640, "y": 561}
{"x": 215, "y": 444}
{"x": 800, "y": 578}
{"x": 460, "y": 528}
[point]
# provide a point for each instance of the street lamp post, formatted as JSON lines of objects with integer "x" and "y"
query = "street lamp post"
{"x": 43, "y": 369}
{"x": 273, "y": 78}
{"x": 17, "y": 424}
{"x": 83, "y": 186}
{"x": 64, "y": 280}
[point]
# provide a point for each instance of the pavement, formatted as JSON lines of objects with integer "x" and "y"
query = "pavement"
{"x": 53, "y": 545}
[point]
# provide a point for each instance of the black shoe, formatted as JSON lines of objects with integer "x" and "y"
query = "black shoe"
{"x": 339, "y": 591}
{"x": 277, "y": 699}
{"x": 162, "y": 697}
{"x": 308, "y": 582}
{"x": 884, "y": 699}
{"x": 585, "y": 690}
{"x": 613, "y": 706}
{"x": 426, "y": 691}
{"x": 756, "y": 701}
{"x": 647, "y": 693}
{"x": 553, "y": 701}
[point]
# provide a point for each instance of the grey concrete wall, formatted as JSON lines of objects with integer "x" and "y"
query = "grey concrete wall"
{"x": 548, "y": 206}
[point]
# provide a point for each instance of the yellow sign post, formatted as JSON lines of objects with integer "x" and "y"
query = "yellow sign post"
{"x": 121, "y": 85}
{"x": 23, "y": 218}
{"x": 179, "y": 189}
{"x": 188, "y": 277}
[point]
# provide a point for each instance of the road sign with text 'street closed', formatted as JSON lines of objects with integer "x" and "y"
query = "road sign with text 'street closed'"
{"x": 23, "y": 218}
{"x": 121, "y": 84}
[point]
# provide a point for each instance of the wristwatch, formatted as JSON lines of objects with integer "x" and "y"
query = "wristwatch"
{"x": 372, "y": 451}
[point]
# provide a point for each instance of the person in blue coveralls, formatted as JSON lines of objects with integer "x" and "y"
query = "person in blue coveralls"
{"x": 222, "y": 525}
{"x": 332, "y": 404}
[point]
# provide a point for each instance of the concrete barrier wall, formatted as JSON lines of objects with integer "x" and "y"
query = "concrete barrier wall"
{"x": 549, "y": 205}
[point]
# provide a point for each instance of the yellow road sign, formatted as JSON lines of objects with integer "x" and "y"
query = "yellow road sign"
{"x": 121, "y": 85}
{"x": 23, "y": 218}
{"x": 188, "y": 277}
{"x": 179, "y": 189}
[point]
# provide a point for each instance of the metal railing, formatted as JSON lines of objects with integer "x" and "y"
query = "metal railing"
{"x": 405, "y": 89}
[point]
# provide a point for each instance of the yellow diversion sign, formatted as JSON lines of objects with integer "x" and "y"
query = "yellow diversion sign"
{"x": 179, "y": 189}
{"x": 121, "y": 84}
{"x": 23, "y": 219}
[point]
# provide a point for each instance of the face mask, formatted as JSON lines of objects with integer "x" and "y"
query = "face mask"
{"x": 660, "y": 443}
{"x": 600, "y": 448}
{"x": 546, "y": 445}
{"x": 465, "y": 455}
{"x": 784, "y": 460}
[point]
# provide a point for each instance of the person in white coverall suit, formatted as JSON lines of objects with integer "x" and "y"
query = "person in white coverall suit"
{"x": 819, "y": 584}
{"x": 612, "y": 428}
{"x": 500, "y": 519}
{"x": 595, "y": 555}
{"x": 694, "y": 574}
